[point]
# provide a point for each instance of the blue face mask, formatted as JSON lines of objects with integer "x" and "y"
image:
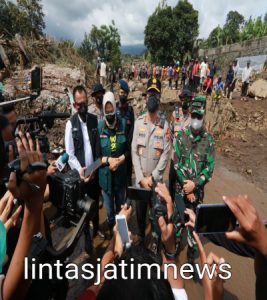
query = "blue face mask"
{"x": 2, "y": 244}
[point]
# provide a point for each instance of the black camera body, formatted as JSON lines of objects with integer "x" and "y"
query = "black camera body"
{"x": 68, "y": 196}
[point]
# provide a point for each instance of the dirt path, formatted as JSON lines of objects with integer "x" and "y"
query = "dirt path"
{"x": 242, "y": 284}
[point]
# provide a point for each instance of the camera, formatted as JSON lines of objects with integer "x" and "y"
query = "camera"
{"x": 68, "y": 196}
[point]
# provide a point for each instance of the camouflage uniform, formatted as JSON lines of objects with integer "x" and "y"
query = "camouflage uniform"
{"x": 193, "y": 160}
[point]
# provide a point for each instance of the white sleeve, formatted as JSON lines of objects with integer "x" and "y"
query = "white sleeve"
{"x": 179, "y": 294}
{"x": 2, "y": 277}
{"x": 73, "y": 161}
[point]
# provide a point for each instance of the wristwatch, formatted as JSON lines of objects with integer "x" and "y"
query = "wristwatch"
{"x": 107, "y": 163}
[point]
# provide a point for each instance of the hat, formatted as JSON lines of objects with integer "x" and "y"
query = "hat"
{"x": 124, "y": 85}
{"x": 98, "y": 87}
{"x": 154, "y": 84}
{"x": 199, "y": 105}
{"x": 186, "y": 93}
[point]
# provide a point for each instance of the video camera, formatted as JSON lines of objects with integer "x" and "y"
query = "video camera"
{"x": 39, "y": 126}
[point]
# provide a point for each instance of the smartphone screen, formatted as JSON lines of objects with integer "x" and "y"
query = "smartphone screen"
{"x": 135, "y": 193}
{"x": 214, "y": 218}
{"x": 123, "y": 229}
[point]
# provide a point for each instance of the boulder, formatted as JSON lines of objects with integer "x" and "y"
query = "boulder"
{"x": 258, "y": 89}
{"x": 169, "y": 96}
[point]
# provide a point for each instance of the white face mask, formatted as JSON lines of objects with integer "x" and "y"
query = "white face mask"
{"x": 196, "y": 124}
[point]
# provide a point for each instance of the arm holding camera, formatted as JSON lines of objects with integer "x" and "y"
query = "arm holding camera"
{"x": 167, "y": 237}
{"x": 15, "y": 286}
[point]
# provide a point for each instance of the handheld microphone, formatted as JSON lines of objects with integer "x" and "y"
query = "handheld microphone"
{"x": 61, "y": 161}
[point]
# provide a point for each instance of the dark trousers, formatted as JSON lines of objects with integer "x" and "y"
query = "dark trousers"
{"x": 244, "y": 90}
{"x": 141, "y": 210}
{"x": 170, "y": 82}
{"x": 92, "y": 189}
{"x": 176, "y": 84}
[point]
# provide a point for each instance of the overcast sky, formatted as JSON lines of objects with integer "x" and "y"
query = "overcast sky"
{"x": 71, "y": 19}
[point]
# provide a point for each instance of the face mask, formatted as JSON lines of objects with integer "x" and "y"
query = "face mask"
{"x": 123, "y": 99}
{"x": 196, "y": 124}
{"x": 82, "y": 111}
{"x": 99, "y": 100}
{"x": 152, "y": 104}
{"x": 111, "y": 119}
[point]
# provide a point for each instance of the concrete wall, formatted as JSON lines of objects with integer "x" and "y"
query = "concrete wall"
{"x": 226, "y": 54}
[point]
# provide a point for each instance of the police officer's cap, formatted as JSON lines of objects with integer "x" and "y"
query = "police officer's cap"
{"x": 186, "y": 93}
{"x": 154, "y": 84}
{"x": 98, "y": 87}
{"x": 124, "y": 85}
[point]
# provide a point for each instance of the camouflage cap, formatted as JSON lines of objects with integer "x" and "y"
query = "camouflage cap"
{"x": 198, "y": 105}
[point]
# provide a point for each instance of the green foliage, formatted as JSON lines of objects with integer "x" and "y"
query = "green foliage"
{"x": 232, "y": 27}
{"x": 235, "y": 30}
{"x": 103, "y": 42}
{"x": 23, "y": 16}
{"x": 170, "y": 32}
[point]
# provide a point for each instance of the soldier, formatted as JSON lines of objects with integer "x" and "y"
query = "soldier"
{"x": 96, "y": 108}
{"x": 150, "y": 149}
{"x": 194, "y": 165}
{"x": 180, "y": 119}
{"x": 125, "y": 111}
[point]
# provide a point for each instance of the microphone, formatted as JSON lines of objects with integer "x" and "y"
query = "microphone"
{"x": 61, "y": 162}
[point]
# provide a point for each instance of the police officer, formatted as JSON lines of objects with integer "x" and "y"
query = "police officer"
{"x": 125, "y": 111}
{"x": 96, "y": 108}
{"x": 150, "y": 148}
{"x": 194, "y": 164}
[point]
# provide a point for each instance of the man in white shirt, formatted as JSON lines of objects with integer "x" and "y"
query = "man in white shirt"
{"x": 203, "y": 71}
{"x": 245, "y": 79}
{"x": 103, "y": 72}
{"x": 82, "y": 145}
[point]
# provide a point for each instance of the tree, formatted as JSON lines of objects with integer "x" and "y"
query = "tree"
{"x": 159, "y": 34}
{"x": 186, "y": 27}
{"x": 24, "y": 16}
{"x": 105, "y": 41}
{"x": 216, "y": 37}
{"x": 170, "y": 32}
{"x": 232, "y": 27}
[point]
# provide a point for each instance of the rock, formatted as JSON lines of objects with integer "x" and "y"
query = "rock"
{"x": 249, "y": 171}
{"x": 169, "y": 96}
{"x": 258, "y": 89}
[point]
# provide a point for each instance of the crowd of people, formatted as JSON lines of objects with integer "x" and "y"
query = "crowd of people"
{"x": 126, "y": 144}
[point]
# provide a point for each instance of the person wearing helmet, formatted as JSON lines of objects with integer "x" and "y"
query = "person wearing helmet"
{"x": 115, "y": 151}
{"x": 125, "y": 111}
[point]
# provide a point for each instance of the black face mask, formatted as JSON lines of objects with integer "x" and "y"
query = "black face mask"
{"x": 123, "y": 99}
{"x": 110, "y": 118}
{"x": 82, "y": 111}
{"x": 152, "y": 104}
{"x": 99, "y": 100}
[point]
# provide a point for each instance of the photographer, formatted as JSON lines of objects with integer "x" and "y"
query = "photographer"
{"x": 14, "y": 286}
{"x": 248, "y": 240}
{"x": 82, "y": 146}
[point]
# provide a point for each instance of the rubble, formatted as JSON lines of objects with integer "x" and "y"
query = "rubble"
{"x": 258, "y": 89}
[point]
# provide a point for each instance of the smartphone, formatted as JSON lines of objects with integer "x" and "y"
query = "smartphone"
{"x": 214, "y": 218}
{"x": 92, "y": 168}
{"x": 123, "y": 230}
{"x": 136, "y": 193}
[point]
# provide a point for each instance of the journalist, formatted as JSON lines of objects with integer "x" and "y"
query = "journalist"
{"x": 82, "y": 146}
